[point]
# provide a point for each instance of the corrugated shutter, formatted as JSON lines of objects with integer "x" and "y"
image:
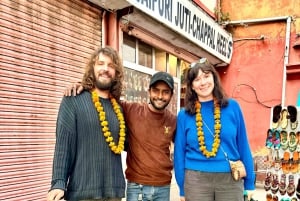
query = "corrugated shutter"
{"x": 44, "y": 45}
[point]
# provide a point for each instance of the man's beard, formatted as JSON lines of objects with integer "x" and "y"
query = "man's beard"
{"x": 104, "y": 86}
{"x": 158, "y": 108}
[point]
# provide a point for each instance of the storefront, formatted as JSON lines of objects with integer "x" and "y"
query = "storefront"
{"x": 164, "y": 36}
{"x": 45, "y": 46}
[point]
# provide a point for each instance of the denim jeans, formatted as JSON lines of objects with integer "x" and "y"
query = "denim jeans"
{"x": 139, "y": 192}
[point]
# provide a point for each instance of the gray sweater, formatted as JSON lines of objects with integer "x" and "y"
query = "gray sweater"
{"x": 83, "y": 164}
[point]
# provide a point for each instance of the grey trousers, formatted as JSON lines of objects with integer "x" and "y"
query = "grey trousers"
{"x": 200, "y": 186}
{"x": 104, "y": 199}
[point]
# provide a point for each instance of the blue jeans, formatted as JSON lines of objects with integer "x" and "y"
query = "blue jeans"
{"x": 139, "y": 192}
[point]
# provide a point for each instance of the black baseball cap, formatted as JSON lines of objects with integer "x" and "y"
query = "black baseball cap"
{"x": 162, "y": 76}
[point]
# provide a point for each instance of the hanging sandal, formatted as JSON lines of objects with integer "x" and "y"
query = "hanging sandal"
{"x": 284, "y": 140}
{"x": 285, "y": 163}
{"x": 293, "y": 116}
{"x": 269, "y": 197}
{"x": 293, "y": 141}
{"x": 282, "y": 184}
{"x": 276, "y": 139}
{"x": 269, "y": 140}
{"x": 298, "y": 189}
{"x": 298, "y": 146}
{"x": 290, "y": 190}
{"x": 268, "y": 181}
{"x": 274, "y": 185}
{"x": 276, "y": 116}
{"x": 284, "y": 120}
{"x": 295, "y": 163}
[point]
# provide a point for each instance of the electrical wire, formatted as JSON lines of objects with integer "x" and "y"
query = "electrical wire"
{"x": 254, "y": 90}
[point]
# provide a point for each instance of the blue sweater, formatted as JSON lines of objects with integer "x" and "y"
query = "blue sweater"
{"x": 233, "y": 141}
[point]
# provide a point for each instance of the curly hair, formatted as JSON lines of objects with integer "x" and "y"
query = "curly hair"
{"x": 191, "y": 96}
{"x": 89, "y": 80}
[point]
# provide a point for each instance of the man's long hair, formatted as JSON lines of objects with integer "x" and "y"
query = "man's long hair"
{"x": 191, "y": 96}
{"x": 89, "y": 80}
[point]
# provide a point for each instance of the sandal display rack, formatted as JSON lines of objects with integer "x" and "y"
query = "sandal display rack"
{"x": 282, "y": 179}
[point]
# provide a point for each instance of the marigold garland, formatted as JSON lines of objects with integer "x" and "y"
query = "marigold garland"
{"x": 117, "y": 149}
{"x": 217, "y": 127}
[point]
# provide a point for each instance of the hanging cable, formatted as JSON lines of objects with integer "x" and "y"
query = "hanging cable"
{"x": 254, "y": 90}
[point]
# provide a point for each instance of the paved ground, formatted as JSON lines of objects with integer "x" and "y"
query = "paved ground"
{"x": 260, "y": 193}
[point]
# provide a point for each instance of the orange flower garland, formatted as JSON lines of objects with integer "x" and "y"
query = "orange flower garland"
{"x": 117, "y": 149}
{"x": 217, "y": 127}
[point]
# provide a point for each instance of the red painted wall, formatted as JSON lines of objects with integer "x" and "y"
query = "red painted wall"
{"x": 255, "y": 77}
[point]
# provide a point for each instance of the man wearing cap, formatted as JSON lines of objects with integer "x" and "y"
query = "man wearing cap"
{"x": 151, "y": 128}
{"x": 150, "y": 132}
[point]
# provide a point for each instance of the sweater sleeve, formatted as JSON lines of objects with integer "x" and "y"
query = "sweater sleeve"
{"x": 245, "y": 151}
{"x": 65, "y": 146}
{"x": 179, "y": 152}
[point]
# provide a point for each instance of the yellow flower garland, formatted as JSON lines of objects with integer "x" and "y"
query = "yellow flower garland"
{"x": 217, "y": 127}
{"x": 117, "y": 149}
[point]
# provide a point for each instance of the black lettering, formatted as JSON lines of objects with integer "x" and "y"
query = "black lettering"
{"x": 229, "y": 49}
{"x": 168, "y": 14}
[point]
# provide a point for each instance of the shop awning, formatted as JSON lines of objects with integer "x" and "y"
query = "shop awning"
{"x": 178, "y": 22}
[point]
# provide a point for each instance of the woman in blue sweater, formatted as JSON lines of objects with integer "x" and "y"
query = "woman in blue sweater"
{"x": 209, "y": 126}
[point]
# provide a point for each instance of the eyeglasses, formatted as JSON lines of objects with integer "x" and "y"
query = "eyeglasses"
{"x": 201, "y": 61}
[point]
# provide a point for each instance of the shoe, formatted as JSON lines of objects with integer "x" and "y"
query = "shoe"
{"x": 276, "y": 116}
{"x": 276, "y": 139}
{"x": 298, "y": 189}
{"x": 285, "y": 163}
{"x": 295, "y": 163}
{"x": 284, "y": 120}
{"x": 290, "y": 190}
{"x": 275, "y": 184}
{"x": 269, "y": 140}
{"x": 293, "y": 116}
{"x": 293, "y": 141}
{"x": 275, "y": 198}
{"x": 269, "y": 197}
{"x": 298, "y": 137}
{"x": 277, "y": 162}
{"x": 282, "y": 184}
{"x": 284, "y": 140}
{"x": 268, "y": 181}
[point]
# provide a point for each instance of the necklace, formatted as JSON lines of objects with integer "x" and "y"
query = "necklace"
{"x": 117, "y": 149}
{"x": 200, "y": 133}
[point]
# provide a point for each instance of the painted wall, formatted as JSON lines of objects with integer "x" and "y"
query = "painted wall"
{"x": 256, "y": 76}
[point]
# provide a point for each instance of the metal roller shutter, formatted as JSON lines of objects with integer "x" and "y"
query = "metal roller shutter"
{"x": 44, "y": 45}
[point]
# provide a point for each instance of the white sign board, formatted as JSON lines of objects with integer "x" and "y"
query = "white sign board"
{"x": 191, "y": 22}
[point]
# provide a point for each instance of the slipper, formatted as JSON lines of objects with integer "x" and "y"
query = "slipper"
{"x": 293, "y": 141}
{"x": 284, "y": 140}
{"x": 269, "y": 197}
{"x": 276, "y": 116}
{"x": 295, "y": 163}
{"x": 282, "y": 184}
{"x": 298, "y": 146}
{"x": 268, "y": 181}
{"x": 284, "y": 121}
{"x": 269, "y": 140}
{"x": 298, "y": 189}
{"x": 276, "y": 139}
{"x": 285, "y": 163}
{"x": 291, "y": 186}
{"x": 293, "y": 116}
{"x": 275, "y": 184}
